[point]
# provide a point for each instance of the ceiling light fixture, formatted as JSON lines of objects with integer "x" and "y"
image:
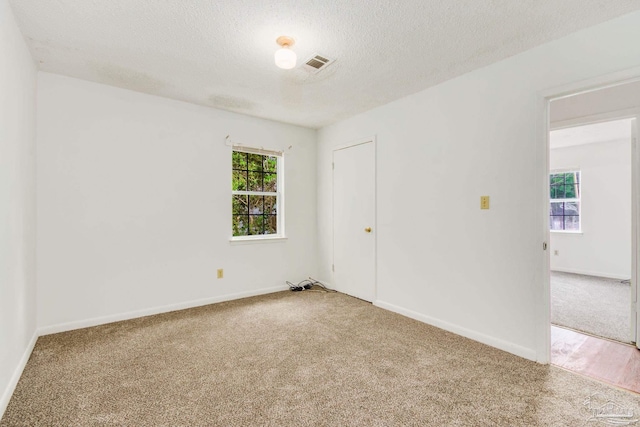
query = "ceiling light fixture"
{"x": 285, "y": 58}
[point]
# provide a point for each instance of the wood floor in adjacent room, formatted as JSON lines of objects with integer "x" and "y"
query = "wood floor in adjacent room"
{"x": 613, "y": 362}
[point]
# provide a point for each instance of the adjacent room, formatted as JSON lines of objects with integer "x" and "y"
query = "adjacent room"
{"x": 590, "y": 189}
{"x": 593, "y": 223}
{"x": 290, "y": 213}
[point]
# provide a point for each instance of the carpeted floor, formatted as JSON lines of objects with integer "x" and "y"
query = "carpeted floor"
{"x": 595, "y": 305}
{"x": 290, "y": 359}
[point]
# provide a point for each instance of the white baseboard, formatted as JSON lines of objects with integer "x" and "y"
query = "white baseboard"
{"x": 69, "y": 326}
{"x": 592, "y": 273}
{"x": 518, "y": 350}
{"x": 13, "y": 382}
{"x": 63, "y": 327}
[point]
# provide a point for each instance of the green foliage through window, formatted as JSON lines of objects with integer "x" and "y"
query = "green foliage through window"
{"x": 255, "y": 194}
{"x": 564, "y": 210}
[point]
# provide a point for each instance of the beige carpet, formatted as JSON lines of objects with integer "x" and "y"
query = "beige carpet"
{"x": 290, "y": 359}
{"x": 595, "y": 305}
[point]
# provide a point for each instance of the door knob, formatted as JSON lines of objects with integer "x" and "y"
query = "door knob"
{"x": 368, "y": 229}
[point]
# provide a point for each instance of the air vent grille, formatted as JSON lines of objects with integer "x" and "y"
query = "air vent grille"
{"x": 316, "y": 63}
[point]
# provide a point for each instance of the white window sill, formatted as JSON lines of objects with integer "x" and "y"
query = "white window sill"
{"x": 256, "y": 239}
{"x": 565, "y": 232}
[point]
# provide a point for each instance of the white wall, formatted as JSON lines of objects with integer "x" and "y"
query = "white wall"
{"x": 440, "y": 258}
{"x": 134, "y": 205}
{"x": 17, "y": 203}
{"x": 604, "y": 246}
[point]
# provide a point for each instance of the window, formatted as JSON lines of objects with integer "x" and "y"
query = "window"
{"x": 565, "y": 201}
{"x": 256, "y": 193}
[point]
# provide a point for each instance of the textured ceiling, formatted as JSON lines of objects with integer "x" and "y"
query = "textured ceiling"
{"x": 220, "y": 53}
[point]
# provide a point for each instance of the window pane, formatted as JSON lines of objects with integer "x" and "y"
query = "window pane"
{"x": 556, "y": 223}
{"x": 239, "y": 181}
{"x": 256, "y": 205}
{"x": 270, "y": 182}
{"x": 253, "y": 214}
{"x": 239, "y": 160}
{"x": 270, "y": 205}
{"x": 255, "y": 162}
{"x": 255, "y": 181}
{"x": 572, "y": 208}
{"x": 571, "y": 191}
{"x": 564, "y": 215}
{"x": 270, "y": 224}
{"x": 572, "y": 223}
{"x": 240, "y": 225}
{"x": 240, "y": 205}
{"x": 557, "y": 208}
{"x": 256, "y": 224}
{"x": 557, "y": 192}
{"x": 270, "y": 164}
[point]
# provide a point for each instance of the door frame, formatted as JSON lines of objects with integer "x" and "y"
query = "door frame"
{"x": 635, "y": 227}
{"x": 354, "y": 143}
{"x": 543, "y": 103}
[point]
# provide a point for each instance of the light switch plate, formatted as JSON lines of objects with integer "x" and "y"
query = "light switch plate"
{"x": 484, "y": 202}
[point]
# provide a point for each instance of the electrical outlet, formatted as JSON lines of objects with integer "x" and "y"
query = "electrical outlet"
{"x": 484, "y": 202}
{"x": 220, "y": 273}
{"x": 556, "y": 252}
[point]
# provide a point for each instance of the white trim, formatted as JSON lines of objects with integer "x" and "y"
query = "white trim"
{"x": 355, "y": 142}
{"x": 630, "y": 75}
{"x": 262, "y": 238}
{"x": 281, "y": 199}
{"x": 69, "y": 326}
{"x": 253, "y": 150}
{"x": 609, "y": 116}
{"x": 518, "y": 350}
{"x": 635, "y": 229}
{"x": 17, "y": 373}
{"x": 578, "y": 232}
{"x": 592, "y": 273}
{"x": 374, "y": 141}
{"x": 582, "y": 144}
{"x": 254, "y": 193}
{"x": 565, "y": 170}
{"x": 542, "y": 296}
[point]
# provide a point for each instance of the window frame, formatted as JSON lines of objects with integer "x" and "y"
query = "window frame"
{"x": 565, "y": 200}
{"x": 279, "y": 194}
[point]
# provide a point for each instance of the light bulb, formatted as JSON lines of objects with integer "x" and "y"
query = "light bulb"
{"x": 285, "y": 58}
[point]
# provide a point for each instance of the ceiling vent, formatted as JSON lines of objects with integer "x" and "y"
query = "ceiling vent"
{"x": 316, "y": 63}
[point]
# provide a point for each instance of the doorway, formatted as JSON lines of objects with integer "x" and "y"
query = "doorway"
{"x": 354, "y": 219}
{"x": 592, "y": 201}
{"x": 590, "y": 228}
